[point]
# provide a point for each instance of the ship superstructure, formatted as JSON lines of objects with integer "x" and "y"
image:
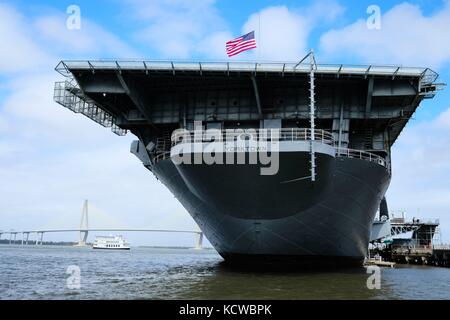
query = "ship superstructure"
{"x": 331, "y": 128}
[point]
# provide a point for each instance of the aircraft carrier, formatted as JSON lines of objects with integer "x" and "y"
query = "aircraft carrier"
{"x": 301, "y": 152}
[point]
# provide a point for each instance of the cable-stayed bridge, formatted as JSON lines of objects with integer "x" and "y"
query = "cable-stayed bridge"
{"x": 84, "y": 230}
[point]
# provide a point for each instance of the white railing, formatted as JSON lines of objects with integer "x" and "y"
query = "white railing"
{"x": 161, "y": 156}
{"x": 287, "y": 134}
{"x": 363, "y": 155}
{"x": 441, "y": 247}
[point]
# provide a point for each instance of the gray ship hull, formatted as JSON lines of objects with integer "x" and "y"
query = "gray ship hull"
{"x": 318, "y": 113}
{"x": 252, "y": 218}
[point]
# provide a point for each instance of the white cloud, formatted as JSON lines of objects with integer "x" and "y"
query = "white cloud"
{"x": 406, "y": 37}
{"x": 283, "y": 34}
{"x": 284, "y": 31}
{"x": 190, "y": 29}
{"x": 47, "y": 188}
{"x": 176, "y": 28}
{"x": 50, "y": 158}
{"x": 443, "y": 121}
{"x": 91, "y": 38}
{"x": 213, "y": 46}
{"x": 18, "y": 49}
{"x": 323, "y": 11}
{"x": 30, "y": 113}
{"x": 30, "y": 44}
{"x": 421, "y": 171}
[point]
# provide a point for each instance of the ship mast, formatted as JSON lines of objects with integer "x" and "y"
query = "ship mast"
{"x": 312, "y": 108}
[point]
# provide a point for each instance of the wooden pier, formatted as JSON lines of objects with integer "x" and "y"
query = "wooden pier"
{"x": 419, "y": 248}
{"x": 438, "y": 255}
{"x": 441, "y": 256}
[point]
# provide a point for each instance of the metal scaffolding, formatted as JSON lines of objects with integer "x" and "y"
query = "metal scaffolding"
{"x": 69, "y": 95}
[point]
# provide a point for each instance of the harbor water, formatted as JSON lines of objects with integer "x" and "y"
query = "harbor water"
{"x": 46, "y": 273}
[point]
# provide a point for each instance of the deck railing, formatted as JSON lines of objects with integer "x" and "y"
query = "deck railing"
{"x": 285, "y": 134}
{"x": 441, "y": 247}
{"x": 363, "y": 155}
{"x": 161, "y": 156}
{"x": 229, "y": 135}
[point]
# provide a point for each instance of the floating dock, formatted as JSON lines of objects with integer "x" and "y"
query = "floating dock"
{"x": 379, "y": 263}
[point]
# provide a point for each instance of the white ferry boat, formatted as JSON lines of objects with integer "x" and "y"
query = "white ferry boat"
{"x": 111, "y": 243}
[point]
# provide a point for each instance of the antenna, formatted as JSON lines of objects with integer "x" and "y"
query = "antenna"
{"x": 312, "y": 111}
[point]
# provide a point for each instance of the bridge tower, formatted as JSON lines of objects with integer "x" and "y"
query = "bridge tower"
{"x": 84, "y": 225}
{"x": 199, "y": 239}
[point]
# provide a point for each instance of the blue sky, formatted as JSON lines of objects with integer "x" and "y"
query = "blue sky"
{"x": 51, "y": 159}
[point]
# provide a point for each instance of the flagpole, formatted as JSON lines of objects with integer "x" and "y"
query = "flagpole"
{"x": 259, "y": 36}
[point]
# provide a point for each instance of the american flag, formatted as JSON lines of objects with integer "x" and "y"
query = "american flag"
{"x": 241, "y": 44}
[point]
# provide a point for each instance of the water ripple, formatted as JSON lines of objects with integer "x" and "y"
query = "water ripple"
{"x": 145, "y": 273}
